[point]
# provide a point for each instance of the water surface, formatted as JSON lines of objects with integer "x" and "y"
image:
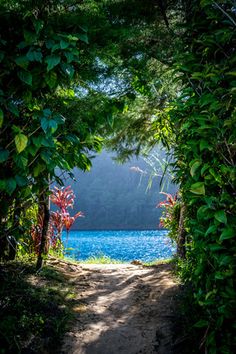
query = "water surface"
{"x": 125, "y": 245}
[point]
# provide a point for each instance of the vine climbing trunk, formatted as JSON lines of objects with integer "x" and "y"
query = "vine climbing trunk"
{"x": 44, "y": 210}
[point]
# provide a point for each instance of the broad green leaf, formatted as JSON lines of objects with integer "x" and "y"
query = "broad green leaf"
{"x": 219, "y": 275}
{"x": 27, "y": 192}
{"x": 56, "y": 47}
{"x": 4, "y": 154}
{"x": 69, "y": 70}
{"x": 46, "y": 156}
{"x": 215, "y": 175}
{"x": 53, "y": 125}
{"x": 38, "y": 24}
{"x": 13, "y": 109}
{"x": 2, "y": 184}
{"x": 72, "y": 38}
{"x": 202, "y": 211}
{"x": 25, "y": 76}
{"x": 21, "y": 141}
{"x": 204, "y": 145}
{"x": 30, "y": 37}
{"x": 21, "y": 161}
{"x": 201, "y": 323}
{"x": 44, "y": 124}
{"x": 227, "y": 233}
{"x": 64, "y": 44}
{"x": 206, "y": 99}
{"x": 194, "y": 167}
{"x": 47, "y": 112}
{"x": 21, "y": 181}
{"x": 225, "y": 260}
{"x": 38, "y": 169}
{"x": 22, "y": 61}
{"x": 22, "y": 45}
{"x": 50, "y": 43}
{"x": 27, "y": 96}
{"x": 34, "y": 55}
{"x": 1, "y": 117}
{"x": 83, "y": 37}
{"x": 221, "y": 216}
{"x": 59, "y": 119}
{"x": 204, "y": 168}
{"x": 52, "y": 61}
{"x": 48, "y": 142}
{"x": 211, "y": 229}
{"x": 215, "y": 247}
{"x": 197, "y": 75}
{"x": 73, "y": 139}
{"x": 51, "y": 79}
{"x": 198, "y": 188}
{"x": 37, "y": 140}
{"x": 10, "y": 185}
{"x": 32, "y": 149}
{"x": 69, "y": 56}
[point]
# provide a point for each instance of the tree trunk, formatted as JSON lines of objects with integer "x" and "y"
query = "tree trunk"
{"x": 44, "y": 209}
{"x": 162, "y": 8}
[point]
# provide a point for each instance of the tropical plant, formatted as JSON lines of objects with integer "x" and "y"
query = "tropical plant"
{"x": 63, "y": 198}
{"x": 204, "y": 123}
{"x": 170, "y": 215}
{"x": 39, "y": 55}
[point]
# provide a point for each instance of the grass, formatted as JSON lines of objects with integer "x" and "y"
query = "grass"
{"x": 157, "y": 262}
{"x": 101, "y": 260}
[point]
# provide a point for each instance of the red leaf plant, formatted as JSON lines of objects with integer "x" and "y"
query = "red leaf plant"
{"x": 64, "y": 198}
{"x": 168, "y": 204}
{"x": 36, "y": 235}
{"x": 68, "y": 221}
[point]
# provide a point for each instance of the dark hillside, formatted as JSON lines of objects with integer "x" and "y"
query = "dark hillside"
{"x": 114, "y": 196}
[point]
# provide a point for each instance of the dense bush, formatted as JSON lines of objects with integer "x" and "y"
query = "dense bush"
{"x": 205, "y": 120}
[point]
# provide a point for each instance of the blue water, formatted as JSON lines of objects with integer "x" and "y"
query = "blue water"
{"x": 125, "y": 245}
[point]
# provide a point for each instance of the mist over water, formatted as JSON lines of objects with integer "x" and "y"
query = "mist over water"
{"x": 125, "y": 245}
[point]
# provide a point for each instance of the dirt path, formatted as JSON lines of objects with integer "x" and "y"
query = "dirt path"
{"x": 123, "y": 309}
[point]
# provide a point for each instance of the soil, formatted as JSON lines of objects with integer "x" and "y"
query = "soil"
{"x": 121, "y": 309}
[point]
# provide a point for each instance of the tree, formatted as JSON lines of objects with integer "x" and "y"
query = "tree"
{"x": 39, "y": 52}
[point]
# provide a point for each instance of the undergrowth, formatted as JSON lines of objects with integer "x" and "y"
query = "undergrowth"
{"x": 35, "y": 309}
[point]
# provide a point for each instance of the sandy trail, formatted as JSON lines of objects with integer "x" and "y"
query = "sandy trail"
{"x": 122, "y": 309}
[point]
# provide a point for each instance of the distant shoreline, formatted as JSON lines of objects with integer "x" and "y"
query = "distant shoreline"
{"x": 157, "y": 229}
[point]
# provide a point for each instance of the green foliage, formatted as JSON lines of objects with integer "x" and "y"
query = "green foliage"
{"x": 204, "y": 119}
{"x": 40, "y": 61}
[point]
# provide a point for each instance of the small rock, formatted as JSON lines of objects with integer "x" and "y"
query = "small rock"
{"x": 136, "y": 262}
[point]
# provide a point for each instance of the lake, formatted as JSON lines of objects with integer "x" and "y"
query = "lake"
{"x": 125, "y": 245}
